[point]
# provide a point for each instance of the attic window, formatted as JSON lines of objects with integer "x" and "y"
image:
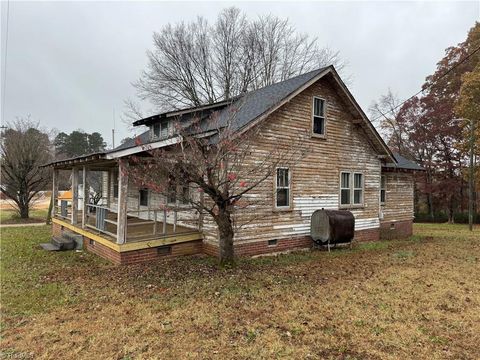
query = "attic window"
{"x": 318, "y": 120}
{"x": 160, "y": 129}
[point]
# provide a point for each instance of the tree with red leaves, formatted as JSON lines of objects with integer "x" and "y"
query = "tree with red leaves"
{"x": 425, "y": 128}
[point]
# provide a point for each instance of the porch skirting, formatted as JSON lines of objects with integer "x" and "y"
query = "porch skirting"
{"x": 153, "y": 251}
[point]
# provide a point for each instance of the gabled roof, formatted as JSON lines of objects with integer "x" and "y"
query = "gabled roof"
{"x": 247, "y": 110}
{"x": 256, "y": 103}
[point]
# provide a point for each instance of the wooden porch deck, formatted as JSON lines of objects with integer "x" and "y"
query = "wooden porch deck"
{"x": 139, "y": 236}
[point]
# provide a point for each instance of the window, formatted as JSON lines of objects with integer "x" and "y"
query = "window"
{"x": 143, "y": 195}
{"x": 383, "y": 189}
{"x": 115, "y": 184}
{"x": 358, "y": 189}
{"x": 282, "y": 198}
{"x": 172, "y": 193}
{"x": 345, "y": 189}
{"x": 318, "y": 121}
{"x": 160, "y": 129}
{"x": 351, "y": 189}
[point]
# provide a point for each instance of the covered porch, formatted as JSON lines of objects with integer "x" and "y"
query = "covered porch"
{"x": 108, "y": 208}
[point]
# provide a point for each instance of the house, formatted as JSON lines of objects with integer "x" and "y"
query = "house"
{"x": 348, "y": 166}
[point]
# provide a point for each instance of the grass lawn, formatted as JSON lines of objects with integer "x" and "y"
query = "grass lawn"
{"x": 410, "y": 299}
{"x": 10, "y": 216}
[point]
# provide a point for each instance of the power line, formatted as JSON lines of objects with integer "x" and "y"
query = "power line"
{"x": 428, "y": 87}
{"x": 5, "y": 64}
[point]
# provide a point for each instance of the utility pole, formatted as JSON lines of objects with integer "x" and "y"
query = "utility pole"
{"x": 113, "y": 130}
{"x": 471, "y": 172}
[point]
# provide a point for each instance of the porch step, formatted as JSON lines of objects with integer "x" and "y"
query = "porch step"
{"x": 49, "y": 247}
{"x": 76, "y": 238}
{"x": 63, "y": 243}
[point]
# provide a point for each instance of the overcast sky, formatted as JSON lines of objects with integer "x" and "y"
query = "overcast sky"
{"x": 71, "y": 63}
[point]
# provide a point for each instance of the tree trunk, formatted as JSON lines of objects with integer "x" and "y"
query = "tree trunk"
{"x": 24, "y": 211}
{"x": 430, "y": 206}
{"x": 225, "y": 230}
{"x": 451, "y": 219}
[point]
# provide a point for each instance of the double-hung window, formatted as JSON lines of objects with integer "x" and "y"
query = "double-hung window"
{"x": 318, "y": 121}
{"x": 160, "y": 129}
{"x": 383, "y": 189}
{"x": 282, "y": 193}
{"x": 345, "y": 188}
{"x": 351, "y": 189}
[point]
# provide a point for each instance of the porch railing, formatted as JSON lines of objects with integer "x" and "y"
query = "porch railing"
{"x": 102, "y": 218}
{"x": 161, "y": 222}
{"x": 64, "y": 211}
{"x": 144, "y": 223}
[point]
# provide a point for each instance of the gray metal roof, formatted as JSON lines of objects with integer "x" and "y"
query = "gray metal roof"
{"x": 403, "y": 163}
{"x": 255, "y": 103}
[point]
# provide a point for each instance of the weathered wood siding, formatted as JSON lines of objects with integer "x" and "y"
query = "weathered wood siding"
{"x": 316, "y": 177}
{"x": 399, "y": 197}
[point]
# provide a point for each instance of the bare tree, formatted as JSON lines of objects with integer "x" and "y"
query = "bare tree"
{"x": 196, "y": 63}
{"x": 223, "y": 165}
{"x": 387, "y": 114}
{"x": 24, "y": 149}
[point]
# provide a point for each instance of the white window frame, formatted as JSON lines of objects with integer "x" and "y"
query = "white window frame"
{"x": 345, "y": 188}
{"x": 358, "y": 189}
{"x": 383, "y": 188}
{"x": 289, "y": 189}
{"x": 324, "y": 117}
{"x": 162, "y": 132}
{"x": 351, "y": 190}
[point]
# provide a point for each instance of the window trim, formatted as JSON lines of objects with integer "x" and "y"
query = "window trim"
{"x": 358, "y": 188}
{"x": 312, "y": 120}
{"x": 349, "y": 188}
{"x": 275, "y": 188}
{"x": 384, "y": 189}
{"x": 159, "y": 124}
{"x": 352, "y": 189}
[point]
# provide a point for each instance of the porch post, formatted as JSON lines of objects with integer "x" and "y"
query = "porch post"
{"x": 85, "y": 197}
{"x": 109, "y": 185}
{"x": 74, "y": 219}
{"x": 54, "y": 192}
{"x": 122, "y": 201}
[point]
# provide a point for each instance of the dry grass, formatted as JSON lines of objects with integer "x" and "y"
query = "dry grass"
{"x": 410, "y": 299}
